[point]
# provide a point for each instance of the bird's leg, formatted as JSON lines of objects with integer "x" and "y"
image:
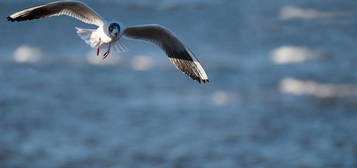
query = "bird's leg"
{"x": 107, "y": 53}
{"x": 98, "y": 47}
{"x": 98, "y": 50}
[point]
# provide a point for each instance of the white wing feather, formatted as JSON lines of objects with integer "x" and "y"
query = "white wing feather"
{"x": 179, "y": 55}
{"x": 74, "y": 9}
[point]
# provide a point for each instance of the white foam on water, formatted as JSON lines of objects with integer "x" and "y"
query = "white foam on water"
{"x": 300, "y": 87}
{"x": 27, "y": 54}
{"x": 291, "y": 54}
{"x": 292, "y": 12}
{"x": 142, "y": 63}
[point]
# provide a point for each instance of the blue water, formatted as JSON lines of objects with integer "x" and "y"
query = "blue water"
{"x": 60, "y": 106}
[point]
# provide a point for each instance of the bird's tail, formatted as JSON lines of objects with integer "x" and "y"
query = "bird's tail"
{"x": 89, "y": 36}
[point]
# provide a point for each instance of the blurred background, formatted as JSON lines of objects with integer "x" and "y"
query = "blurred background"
{"x": 282, "y": 91}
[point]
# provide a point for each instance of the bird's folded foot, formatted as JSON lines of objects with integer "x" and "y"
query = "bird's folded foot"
{"x": 98, "y": 51}
{"x": 98, "y": 46}
{"x": 106, "y": 55}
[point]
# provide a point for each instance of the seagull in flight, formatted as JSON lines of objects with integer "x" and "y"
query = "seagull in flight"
{"x": 109, "y": 33}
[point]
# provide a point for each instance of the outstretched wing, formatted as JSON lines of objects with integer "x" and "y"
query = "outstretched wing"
{"x": 178, "y": 54}
{"x": 75, "y": 9}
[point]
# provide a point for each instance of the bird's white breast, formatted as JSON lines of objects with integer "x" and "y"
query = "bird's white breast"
{"x": 102, "y": 34}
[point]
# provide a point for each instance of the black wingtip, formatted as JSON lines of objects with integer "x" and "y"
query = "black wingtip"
{"x": 202, "y": 81}
{"x": 10, "y": 19}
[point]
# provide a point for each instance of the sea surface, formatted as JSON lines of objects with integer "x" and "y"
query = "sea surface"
{"x": 282, "y": 91}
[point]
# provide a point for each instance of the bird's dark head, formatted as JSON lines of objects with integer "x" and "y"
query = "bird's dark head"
{"x": 114, "y": 30}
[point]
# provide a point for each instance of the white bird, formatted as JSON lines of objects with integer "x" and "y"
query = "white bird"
{"x": 110, "y": 33}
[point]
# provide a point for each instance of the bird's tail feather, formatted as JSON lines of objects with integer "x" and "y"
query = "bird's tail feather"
{"x": 89, "y": 36}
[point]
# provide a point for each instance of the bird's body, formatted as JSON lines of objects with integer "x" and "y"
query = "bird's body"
{"x": 102, "y": 36}
{"x": 110, "y": 33}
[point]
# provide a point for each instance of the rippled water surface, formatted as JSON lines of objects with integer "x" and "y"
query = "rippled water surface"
{"x": 282, "y": 91}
